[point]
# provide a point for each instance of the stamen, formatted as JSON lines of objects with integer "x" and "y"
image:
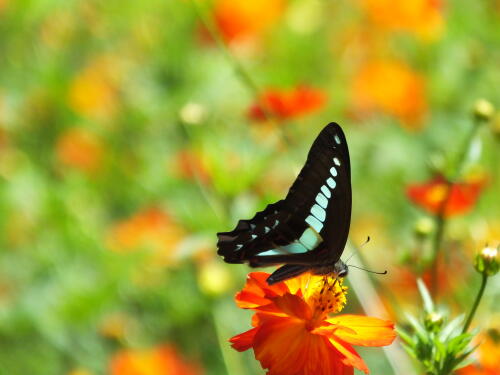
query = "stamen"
{"x": 327, "y": 295}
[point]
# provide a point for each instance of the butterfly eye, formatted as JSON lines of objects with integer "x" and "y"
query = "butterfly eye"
{"x": 343, "y": 272}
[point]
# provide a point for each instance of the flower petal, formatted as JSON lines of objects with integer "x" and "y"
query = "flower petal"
{"x": 350, "y": 357}
{"x": 285, "y": 347}
{"x": 257, "y": 292}
{"x": 363, "y": 330}
{"x": 293, "y": 306}
{"x": 243, "y": 341}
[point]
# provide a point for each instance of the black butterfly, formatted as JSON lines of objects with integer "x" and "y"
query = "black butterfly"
{"x": 306, "y": 231}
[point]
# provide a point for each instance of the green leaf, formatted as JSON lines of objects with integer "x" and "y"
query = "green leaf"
{"x": 405, "y": 336}
{"x": 426, "y": 297}
{"x": 451, "y": 327}
{"x": 419, "y": 329}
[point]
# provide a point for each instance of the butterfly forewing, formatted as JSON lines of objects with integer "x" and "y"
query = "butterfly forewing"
{"x": 310, "y": 226}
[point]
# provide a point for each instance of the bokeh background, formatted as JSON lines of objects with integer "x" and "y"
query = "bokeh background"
{"x": 132, "y": 131}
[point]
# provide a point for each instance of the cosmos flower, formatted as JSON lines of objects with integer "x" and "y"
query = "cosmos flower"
{"x": 151, "y": 229}
{"x": 293, "y": 333}
{"x": 286, "y": 104}
{"x": 240, "y": 20}
{"x": 421, "y": 17}
{"x": 161, "y": 360}
{"x": 390, "y": 87}
{"x": 431, "y": 195}
{"x": 191, "y": 164}
{"x": 80, "y": 149}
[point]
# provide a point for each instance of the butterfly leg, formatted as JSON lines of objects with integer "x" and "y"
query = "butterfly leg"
{"x": 285, "y": 272}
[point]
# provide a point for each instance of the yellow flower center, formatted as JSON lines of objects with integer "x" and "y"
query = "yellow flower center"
{"x": 326, "y": 295}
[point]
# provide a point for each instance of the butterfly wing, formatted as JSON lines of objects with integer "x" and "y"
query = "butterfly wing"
{"x": 310, "y": 226}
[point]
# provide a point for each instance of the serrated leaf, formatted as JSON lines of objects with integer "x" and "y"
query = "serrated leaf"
{"x": 426, "y": 297}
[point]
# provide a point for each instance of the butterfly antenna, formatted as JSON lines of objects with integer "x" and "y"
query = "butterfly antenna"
{"x": 352, "y": 253}
{"x": 364, "y": 269}
{"x": 366, "y": 241}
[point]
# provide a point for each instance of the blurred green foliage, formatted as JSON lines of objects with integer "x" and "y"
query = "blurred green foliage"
{"x": 161, "y": 124}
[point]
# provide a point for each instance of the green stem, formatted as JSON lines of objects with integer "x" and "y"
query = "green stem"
{"x": 440, "y": 218}
{"x": 476, "y": 303}
{"x": 239, "y": 69}
{"x": 215, "y": 34}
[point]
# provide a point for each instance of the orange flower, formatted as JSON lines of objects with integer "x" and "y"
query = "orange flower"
{"x": 161, "y": 360}
{"x": 3, "y": 5}
{"x": 240, "y": 20}
{"x": 286, "y": 104}
{"x": 191, "y": 164}
{"x": 422, "y": 17}
{"x": 390, "y": 87}
{"x": 80, "y": 149}
{"x": 293, "y": 334}
{"x": 431, "y": 195}
{"x": 151, "y": 229}
{"x": 489, "y": 352}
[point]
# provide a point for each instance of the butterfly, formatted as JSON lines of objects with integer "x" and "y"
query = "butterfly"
{"x": 306, "y": 231}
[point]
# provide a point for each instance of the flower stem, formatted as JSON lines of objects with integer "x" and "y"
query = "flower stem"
{"x": 238, "y": 67}
{"x": 440, "y": 218}
{"x": 240, "y": 71}
{"x": 476, "y": 303}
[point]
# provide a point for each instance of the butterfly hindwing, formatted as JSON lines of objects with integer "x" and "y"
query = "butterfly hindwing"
{"x": 310, "y": 226}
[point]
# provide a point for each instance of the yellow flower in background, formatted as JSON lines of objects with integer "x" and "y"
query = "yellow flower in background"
{"x": 116, "y": 325}
{"x": 151, "y": 229}
{"x": 93, "y": 92}
{"x": 80, "y": 149}
{"x": 422, "y": 17}
{"x": 160, "y": 360}
{"x": 390, "y": 87}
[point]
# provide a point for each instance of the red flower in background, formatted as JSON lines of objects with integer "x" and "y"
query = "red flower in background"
{"x": 293, "y": 334}
{"x": 161, "y": 360}
{"x": 430, "y": 196}
{"x": 286, "y": 104}
{"x": 240, "y": 20}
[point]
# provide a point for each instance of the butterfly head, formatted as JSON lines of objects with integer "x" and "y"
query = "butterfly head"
{"x": 340, "y": 269}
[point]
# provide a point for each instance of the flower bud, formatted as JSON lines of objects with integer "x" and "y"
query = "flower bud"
{"x": 486, "y": 261}
{"x": 193, "y": 113}
{"x": 483, "y": 110}
{"x": 423, "y": 227}
{"x": 214, "y": 278}
{"x": 434, "y": 321}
